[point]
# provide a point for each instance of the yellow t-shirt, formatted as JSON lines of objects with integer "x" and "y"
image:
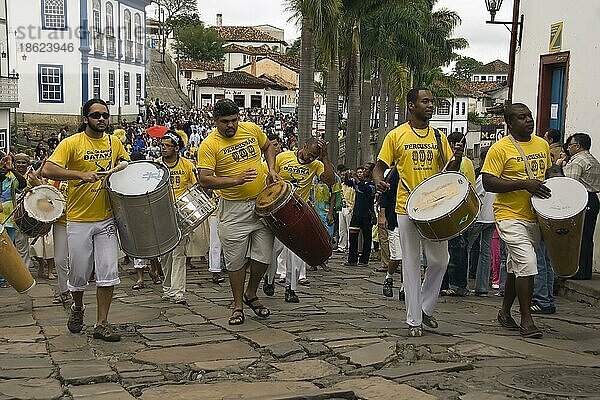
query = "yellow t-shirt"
{"x": 300, "y": 175}
{"x": 88, "y": 202}
{"x": 504, "y": 161}
{"x": 468, "y": 170}
{"x": 181, "y": 174}
{"x": 229, "y": 157}
{"x": 416, "y": 157}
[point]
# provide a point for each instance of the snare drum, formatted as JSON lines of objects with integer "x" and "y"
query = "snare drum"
{"x": 193, "y": 207}
{"x": 294, "y": 223}
{"x": 561, "y": 220}
{"x": 443, "y": 206}
{"x": 142, "y": 202}
{"x": 40, "y": 208}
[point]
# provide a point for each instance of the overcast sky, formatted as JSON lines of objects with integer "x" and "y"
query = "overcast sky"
{"x": 487, "y": 42}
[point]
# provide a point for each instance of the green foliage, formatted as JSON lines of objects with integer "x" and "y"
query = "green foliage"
{"x": 465, "y": 66}
{"x": 194, "y": 41}
{"x": 475, "y": 118}
{"x": 294, "y": 49}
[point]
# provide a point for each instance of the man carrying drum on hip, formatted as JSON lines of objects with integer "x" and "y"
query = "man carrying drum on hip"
{"x": 229, "y": 159}
{"x": 415, "y": 149}
{"x": 182, "y": 177}
{"x": 515, "y": 168}
{"x": 83, "y": 160}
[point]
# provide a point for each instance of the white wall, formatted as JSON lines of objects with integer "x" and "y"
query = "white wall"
{"x": 229, "y": 93}
{"x": 454, "y": 121}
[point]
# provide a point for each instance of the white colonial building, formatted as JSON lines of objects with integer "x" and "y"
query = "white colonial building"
{"x": 451, "y": 114}
{"x": 68, "y": 52}
{"x": 495, "y": 71}
{"x": 9, "y": 98}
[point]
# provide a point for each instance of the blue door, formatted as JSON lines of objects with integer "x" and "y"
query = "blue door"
{"x": 557, "y": 98}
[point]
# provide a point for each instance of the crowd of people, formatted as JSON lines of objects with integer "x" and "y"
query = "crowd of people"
{"x": 234, "y": 154}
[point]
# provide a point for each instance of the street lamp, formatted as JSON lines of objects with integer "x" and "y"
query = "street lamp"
{"x": 317, "y": 108}
{"x": 493, "y": 6}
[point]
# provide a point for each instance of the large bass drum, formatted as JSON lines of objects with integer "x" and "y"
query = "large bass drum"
{"x": 561, "y": 220}
{"x": 142, "y": 202}
{"x": 41, "y": 207}
{"x": 443, "y": 206}
{"x": 294, "y": 223}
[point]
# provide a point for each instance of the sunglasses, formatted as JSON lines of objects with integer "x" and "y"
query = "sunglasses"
{"x": 97, "y": 115}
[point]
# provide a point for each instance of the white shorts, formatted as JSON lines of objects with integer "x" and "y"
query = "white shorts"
{"x": 140, "y": 263}
{"x": 242, "y": 234}
{"x": 394, "y": 245}
{"x": 521, "y": 239}
{"x": 93, "y": 246}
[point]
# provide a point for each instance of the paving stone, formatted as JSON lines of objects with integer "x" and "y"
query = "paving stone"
{"x": 248, "y": 325}
{"x": 190, "y": 319}
{"x": 26, "y": 373}
{"x": 100, "y": 391}
{"x": 372, "y": 355}
{"x": 315, "y": 348}
{"x": 85, "y": 372}
{"x": 128, "y": 366}
{"x": 268, "y": 336}
{"x": 352, "y": 342}
{"x": 17, "y": 319}
{"x": 422, "y": 368}
{"x": 482, "y": 350}
{"x": 239, "y": 390}
{"x": 184, "y": 341}
{"x": 190, "y": 354}
{"x": 328, "y": 336}
{"x": 20, "y": 349}
{"x": 158, "y": 329}
{"x": 211, "y": 311}
{"x": 122, "y": 314}
{"x": 222, "y": 364}
{"x": 176, "y": 334}
{"x": 485, "y": 394}
{"x": 303, "y": 370}
{"x": 31, "y": 389}
{"x": 382, "y": 389}
{"x": 68, "y": 342}
{"x": 12, "y": 362}
{"x": 285, "y": 349}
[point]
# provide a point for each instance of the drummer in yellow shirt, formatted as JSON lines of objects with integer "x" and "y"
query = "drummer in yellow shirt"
{"x": 299, "y": 167}
{"x": 229, "y": 160}
{"x": 182, "y": 176}
{"x": 413, "y": 148}
{"x": 505, "y": 172}
{"x": 83, "y": 160}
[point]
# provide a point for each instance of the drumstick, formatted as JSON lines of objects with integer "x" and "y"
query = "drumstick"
{"x": 464, "y": 142}
{"x": 119, "y": 167}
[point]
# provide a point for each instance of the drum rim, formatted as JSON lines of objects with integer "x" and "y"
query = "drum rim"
{"x": 281, "y": 205}
{"x": 164, "y": 179}
{"x": 33, "y": 214}
{"x": 539, "y": 201}
{"x": 449, "y": 211}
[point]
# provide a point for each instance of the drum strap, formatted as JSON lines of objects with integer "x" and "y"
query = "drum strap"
{"x": 522, "y": 153}
{"x": 438, "y": 139}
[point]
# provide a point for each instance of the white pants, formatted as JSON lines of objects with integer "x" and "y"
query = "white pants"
{"x": 23, "y": 248}
{"x": 420, "y": 297}
{"x": 394, "y": 245}
{"x": 61, "y": 253}
{"x": 173, "y": 265}
{"x": 277, "y": 261}
{"x": 344, "y": 224}
{"x": 214, "y": 252}
{"x": 295, "y": 269}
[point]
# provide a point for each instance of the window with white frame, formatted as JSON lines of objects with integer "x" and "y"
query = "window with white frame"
{"x": 110, "y": 30}
{"x": 54, "y": 14}
{"x": 138, "y": 87}
{"x": 444, "y": 107}
{"x": 126, "y": 98}
{"x": 3, "y": 140}
{"x": 111, "y": 86}
{"x": 127, "y": 23}
{"x": 50, "y": 83}
{"x": 137, "y": 28}
{"x": 96, "y": 83}
{"x": 464, "y": 108}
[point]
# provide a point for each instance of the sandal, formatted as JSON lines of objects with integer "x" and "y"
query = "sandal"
{"x": 155, "y": 278}
{"x": 531, "y": 332}
{"x": 217, "y": 278}
{"x": 508, "y": 322}
{"x": 260, "y": 310}
{"x": 138, "y": 285}
{"x": 237, "y": 317}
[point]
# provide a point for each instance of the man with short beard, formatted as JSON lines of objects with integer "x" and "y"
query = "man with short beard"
{"x": 82, "y": 160}
{"x": 229, "y": 160}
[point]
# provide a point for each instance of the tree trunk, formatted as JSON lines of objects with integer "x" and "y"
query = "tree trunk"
{"x": 307, "y": 83}
{"x": 353, "y": 104}
{"x": 365, "y": 122}
{"x": 391, "y": 110}
{"x": 383, "y": 106}
{"x": 332, "y": 123}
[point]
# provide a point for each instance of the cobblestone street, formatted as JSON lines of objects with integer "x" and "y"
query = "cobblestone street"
{"x": 344, "y": 340}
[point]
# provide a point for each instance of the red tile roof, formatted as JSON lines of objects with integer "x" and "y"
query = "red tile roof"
{"x": 494, "y": 67}
{"x": 202, "y": 65}
{"x": 244, "y": 34}
{"x": 239, "y": 79}
{"x": 250, "y": 50}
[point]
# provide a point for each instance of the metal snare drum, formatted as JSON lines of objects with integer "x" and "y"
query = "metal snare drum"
{"x": 142, "y": 203}
{"x": 192, "y": 208}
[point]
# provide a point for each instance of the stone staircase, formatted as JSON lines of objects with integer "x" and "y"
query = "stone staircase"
{"x": 161, "y": 81}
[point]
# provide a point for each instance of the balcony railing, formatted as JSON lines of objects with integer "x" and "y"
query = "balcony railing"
{"x": 98, "y": 43}
{"x": 9, "y": 89}
{"x": 139, "y": 52}
{"x": 111, "y": 46}
{"x": 128, "y": 50}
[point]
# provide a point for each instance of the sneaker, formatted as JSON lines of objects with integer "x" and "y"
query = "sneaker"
{"x": 415, "y": 331}
{"x": 304, "y": 282}
{"x": 269, "y": 288}
{"x": 480, "y": 294}
{"x": 75, "y": 321}
{"x": 388, "y": 286}
{"x": 178, "y": 300}
{"x": 291, "y": 296}
{"x": 401, "y": 295}
{"x": 495, "y": 286}
{"x": 106, "y": 333}
{"x": 536, "y": 309}
{"x": 430, "y": 321}
{"x": 166, "y": 297}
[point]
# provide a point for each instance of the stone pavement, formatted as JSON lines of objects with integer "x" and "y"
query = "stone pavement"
{"x": 344, "y": 340}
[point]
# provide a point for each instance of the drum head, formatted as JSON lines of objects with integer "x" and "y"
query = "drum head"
{"x": 569, "y": 198}
{"x": 140, "y": 177}
{"x": 44, "y": 203}
{"x": 272, "y": 197}
{"x": 437, "y": 196}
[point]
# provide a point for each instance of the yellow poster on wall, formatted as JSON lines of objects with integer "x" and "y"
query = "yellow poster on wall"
{"x": 556, "y": 31}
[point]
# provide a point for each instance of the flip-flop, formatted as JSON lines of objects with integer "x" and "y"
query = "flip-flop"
{"x": 138, "y": 286}
{"x": 507, "y": 322}
{"x": 531, "y": 333}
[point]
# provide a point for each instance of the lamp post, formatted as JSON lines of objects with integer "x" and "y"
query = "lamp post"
{"x": 317, "y": 108}
{"x": 516, "y": 35}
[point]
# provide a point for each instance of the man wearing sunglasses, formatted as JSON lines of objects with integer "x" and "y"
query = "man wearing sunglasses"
{"x": 83, "y": 160}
